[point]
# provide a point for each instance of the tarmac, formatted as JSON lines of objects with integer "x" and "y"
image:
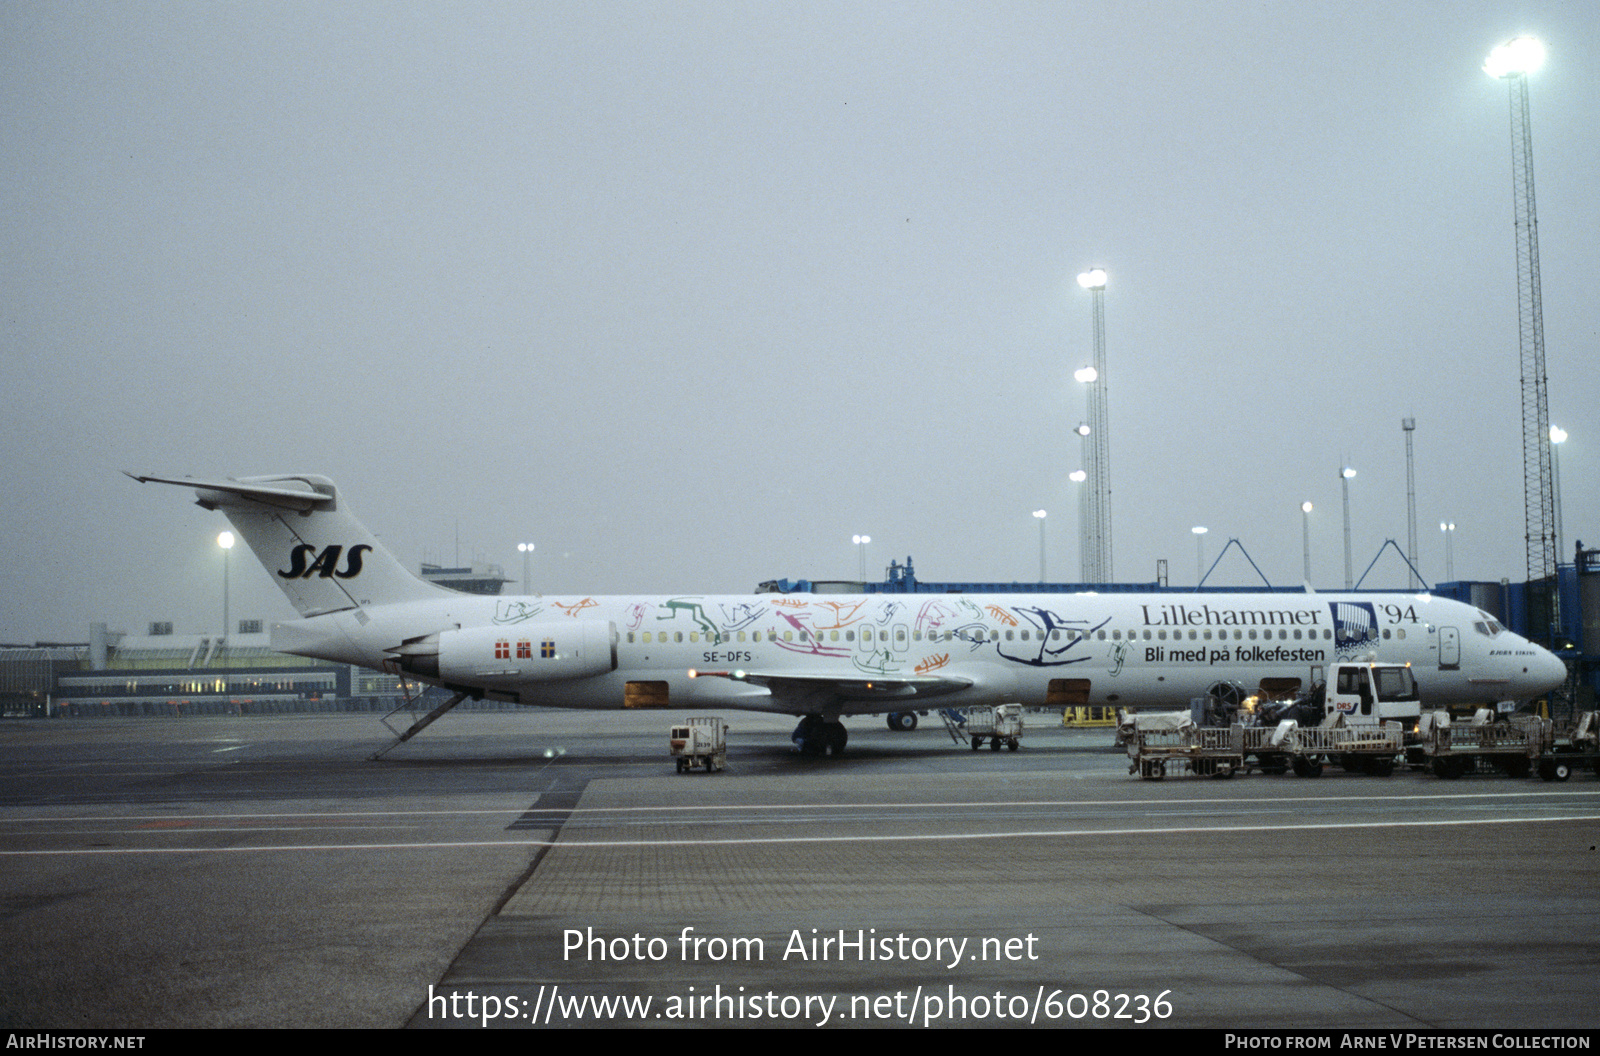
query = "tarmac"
{"x": 551, "y": 868}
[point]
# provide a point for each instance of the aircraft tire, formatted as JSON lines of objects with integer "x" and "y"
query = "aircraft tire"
{"x": 902, "y": 721}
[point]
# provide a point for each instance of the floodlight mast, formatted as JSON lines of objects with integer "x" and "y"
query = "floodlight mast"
{"x": 1098, "y": 568}
{"x": 1512, "y": 62}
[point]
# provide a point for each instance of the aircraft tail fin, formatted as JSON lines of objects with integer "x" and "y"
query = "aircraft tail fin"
{"x": 316, "y": 551}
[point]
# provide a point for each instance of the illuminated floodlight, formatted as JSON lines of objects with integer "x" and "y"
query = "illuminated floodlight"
{"x": 1305, "y": 507}
{"x": 1558, "y": 435}
{"x": 1515, "y": 58}
{"x": 1347, "y": 472}
{"x": 1093, "y": 279}
{"x": 1077, "y": 476}
{"x": 1083, "y": 429}
{"x": 1086, "y": 375}
{"x": 225, "y": 540}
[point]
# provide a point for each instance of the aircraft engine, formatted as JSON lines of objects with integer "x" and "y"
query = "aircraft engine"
{"x": 499, "y": 655}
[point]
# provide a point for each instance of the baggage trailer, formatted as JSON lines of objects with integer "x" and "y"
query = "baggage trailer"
{"x": 1157, "y": 743}
{"x": 699, "y": 742}
{"x": 1451, "y": 749}
{"x": 1162, "y": 742}
{"x": 1567, "y": 751}
{"x": 999, "y": 724}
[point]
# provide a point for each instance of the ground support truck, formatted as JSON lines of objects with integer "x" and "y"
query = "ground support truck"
{"x": 1451, "y": 749}
{"x": 699, "y": 742}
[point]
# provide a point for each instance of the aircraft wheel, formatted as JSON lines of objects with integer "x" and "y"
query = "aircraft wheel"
{"x": 902, "y": 721}
{"x": 810, "y": 736}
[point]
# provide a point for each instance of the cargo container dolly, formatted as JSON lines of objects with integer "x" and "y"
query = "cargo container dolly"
{"x": 701, "y": 742}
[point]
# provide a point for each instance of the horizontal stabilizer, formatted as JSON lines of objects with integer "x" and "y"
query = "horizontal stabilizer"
{"x": 300, "y": 498}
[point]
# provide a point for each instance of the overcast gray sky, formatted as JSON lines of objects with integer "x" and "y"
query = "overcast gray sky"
{"x": 689, "y": 293}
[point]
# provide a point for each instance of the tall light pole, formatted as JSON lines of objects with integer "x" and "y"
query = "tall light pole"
{"x": 225, "y": 540}
{"x": 1040, "y": 515}
{"x": 1099, "y": 466}
{"x": 1512, "y": 62}
{"x": 527, "y": 553}
{"x": 1199, "y": 553}
{"x": 1409, "y": 426}
{"x": 1081, "y": 478}
{"x": 861, "y": 542}
{"x": 1344, "y": 482}
{"x": 1558, "y": 436}
{"x": 1305, "y": 537}
{"x": 1449, "y": 530}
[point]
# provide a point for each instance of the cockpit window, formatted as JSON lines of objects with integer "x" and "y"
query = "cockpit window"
{"x": 1488, "y": 626}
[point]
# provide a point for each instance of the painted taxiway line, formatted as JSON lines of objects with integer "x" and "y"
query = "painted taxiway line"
{"x": 580, "y": 844}
{"x": 679, "y": 809}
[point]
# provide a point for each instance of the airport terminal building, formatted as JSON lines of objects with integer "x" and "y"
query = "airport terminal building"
{"x": 162, "y": 673}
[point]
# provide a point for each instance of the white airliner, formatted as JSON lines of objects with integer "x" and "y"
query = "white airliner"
{"x": 822, "y": 657}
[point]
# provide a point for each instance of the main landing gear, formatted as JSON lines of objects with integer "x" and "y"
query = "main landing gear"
{"x": 816, "y": 735}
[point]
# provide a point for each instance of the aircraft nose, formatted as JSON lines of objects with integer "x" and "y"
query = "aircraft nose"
{"x": 1546, "y": 671}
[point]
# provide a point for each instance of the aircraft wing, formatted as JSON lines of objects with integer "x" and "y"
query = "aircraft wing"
{"x": 813, "y": 691}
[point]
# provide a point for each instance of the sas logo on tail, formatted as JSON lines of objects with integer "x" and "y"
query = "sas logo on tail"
{"x": 326, "y": 564}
